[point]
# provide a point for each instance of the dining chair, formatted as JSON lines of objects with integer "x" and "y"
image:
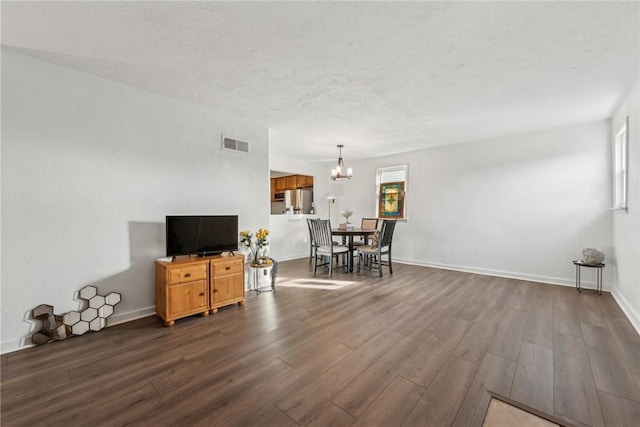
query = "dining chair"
{"x": 324, "y": 248}
{"x": 371, "y": 254}
{"x": 311, "y": 245}
{"x": 366, "y": 224}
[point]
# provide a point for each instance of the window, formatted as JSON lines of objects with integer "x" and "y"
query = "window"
{"x": 620, "y": 168}
{"x": 391, "y": 187}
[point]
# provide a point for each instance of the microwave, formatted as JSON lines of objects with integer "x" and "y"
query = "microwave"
{"x": 278, "y": 196}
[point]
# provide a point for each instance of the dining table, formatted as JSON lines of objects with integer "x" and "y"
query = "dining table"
{"x": 349, "y": 234}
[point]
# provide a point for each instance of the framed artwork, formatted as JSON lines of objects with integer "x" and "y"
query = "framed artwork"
{"x": 391, "y": 200}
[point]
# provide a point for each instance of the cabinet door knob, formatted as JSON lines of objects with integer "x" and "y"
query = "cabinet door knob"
{"x": 227, "y": 268}
{"x": 187, "y": 275}
{"x": 201, "y": 294}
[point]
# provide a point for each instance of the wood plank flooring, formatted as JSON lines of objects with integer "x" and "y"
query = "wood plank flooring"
{"x": 420, "y": 347}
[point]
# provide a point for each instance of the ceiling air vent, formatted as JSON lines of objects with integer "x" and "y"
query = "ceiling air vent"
{"x": 234, "y": 145}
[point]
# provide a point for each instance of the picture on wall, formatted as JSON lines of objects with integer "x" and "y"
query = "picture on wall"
{"x": 391, "y": 200}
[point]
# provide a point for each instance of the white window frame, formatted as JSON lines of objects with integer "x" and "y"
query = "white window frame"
{"x": 620, "y": 167}
{"x": 398, "y": 173}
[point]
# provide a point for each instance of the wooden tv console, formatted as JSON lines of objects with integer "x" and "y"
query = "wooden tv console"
{"x": 190, "y": 285}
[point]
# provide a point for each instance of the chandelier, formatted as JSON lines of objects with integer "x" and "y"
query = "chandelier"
{"x": 340, "y": 172}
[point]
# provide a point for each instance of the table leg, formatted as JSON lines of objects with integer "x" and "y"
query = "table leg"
{"x": 599, "y": 281}
{"x": 578, "y": 278}
{"x": 350, "y": 256}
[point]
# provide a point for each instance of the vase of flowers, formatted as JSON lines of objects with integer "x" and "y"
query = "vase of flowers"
{"x": 258, "y": 247}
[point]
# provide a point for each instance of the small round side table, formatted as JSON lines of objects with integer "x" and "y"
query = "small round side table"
{"x": 598, "y": 268}
{"x": 264, "y": 269}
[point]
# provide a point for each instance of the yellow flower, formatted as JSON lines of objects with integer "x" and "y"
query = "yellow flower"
{"x": 261, "y": 237}
{"x": 262, "y": 234}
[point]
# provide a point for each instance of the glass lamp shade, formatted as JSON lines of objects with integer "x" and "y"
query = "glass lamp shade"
{"x": 340, "y": 173}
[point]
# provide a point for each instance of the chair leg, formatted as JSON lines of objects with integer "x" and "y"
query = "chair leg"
{"x": 390, "y": 268}
{"x": 380, "y": 265}
{"x": 330, "y": 266}
{"x": 315, "y": 263}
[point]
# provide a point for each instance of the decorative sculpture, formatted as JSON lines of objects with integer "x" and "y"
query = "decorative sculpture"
{"x": 92, "y": 318}
{"x": 592, "y": 256}
{"x": 346, "y": 214}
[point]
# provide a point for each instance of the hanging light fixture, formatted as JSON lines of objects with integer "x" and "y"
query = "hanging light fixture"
{"x": 340, "y": 172}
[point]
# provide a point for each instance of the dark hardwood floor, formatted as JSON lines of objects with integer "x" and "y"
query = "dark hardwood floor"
{"x": 420, "y": 347}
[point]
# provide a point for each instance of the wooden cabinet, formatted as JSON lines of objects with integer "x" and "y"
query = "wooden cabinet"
{"x": 280, "y": 184}
{"x": 227, "y": 282}
{"x": 191, "y": 286}
{"x": 185, "y": 299}
{"x": 273, "y": 189}
{"x": 304, "y": 181}
{"x": 290, "y": 182}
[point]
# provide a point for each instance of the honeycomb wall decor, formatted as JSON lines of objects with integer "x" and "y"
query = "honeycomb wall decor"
{"x": 91, "y": 318}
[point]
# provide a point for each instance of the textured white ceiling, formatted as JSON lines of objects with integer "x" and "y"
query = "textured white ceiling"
{"x": 378, "y": 77}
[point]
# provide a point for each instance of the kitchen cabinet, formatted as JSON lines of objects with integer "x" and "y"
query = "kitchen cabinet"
{"x": 285, "y": 183}
{"x": 281, "y": 184}
{"x": 290, "y": 182}
{"x": 273, "y": 189}
{"x": 304, "y": 181}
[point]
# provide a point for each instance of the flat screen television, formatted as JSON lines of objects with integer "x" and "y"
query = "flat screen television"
{"x": 201, "y": 235}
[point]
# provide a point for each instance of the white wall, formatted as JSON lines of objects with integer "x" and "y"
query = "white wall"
{"x": 90, "y": 168}
{"x": 522, "y": 206}
{"x": 626, "y": 225}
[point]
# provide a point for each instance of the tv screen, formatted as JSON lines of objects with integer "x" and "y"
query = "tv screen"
{"x": 201, "y": 235}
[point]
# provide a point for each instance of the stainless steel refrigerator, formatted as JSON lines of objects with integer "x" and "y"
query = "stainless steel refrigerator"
{"x": 298, "y": 201}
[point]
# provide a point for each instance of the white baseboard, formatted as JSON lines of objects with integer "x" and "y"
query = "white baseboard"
{"x": 13, "y": 345}
{"x": 627, "y": 309}
{"x": 119, "y": 318}
{"x": 499, "y": 273}
{"x": 291, "y": 257}
{"x": 486, "y": 272}
{"x": 116, "y": 319}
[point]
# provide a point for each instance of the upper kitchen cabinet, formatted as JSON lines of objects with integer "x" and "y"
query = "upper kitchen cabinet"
{"x": 278, "y": 184}
{"x": 290, "y": 182}
{"x": 283, "y": 186}
{"x": 304, "y": 181}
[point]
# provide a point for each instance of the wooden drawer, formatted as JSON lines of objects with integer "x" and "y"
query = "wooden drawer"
{"x": 187, "y": 274}
{"x": 227, "y": 266}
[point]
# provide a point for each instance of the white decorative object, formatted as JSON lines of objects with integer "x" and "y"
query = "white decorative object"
{"x": 592, "y": 256}
{"x": 346, "y": 214}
